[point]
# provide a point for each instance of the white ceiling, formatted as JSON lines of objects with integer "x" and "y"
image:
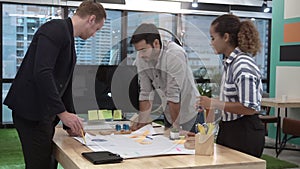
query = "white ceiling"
{"x": 231, "y": 2}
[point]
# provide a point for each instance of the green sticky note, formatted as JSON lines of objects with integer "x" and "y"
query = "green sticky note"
{"x": 93, "y": 115}
{"x": 117, "y": 114}
{"x": 101, "y": 114}
{"x": 107, "y": 114}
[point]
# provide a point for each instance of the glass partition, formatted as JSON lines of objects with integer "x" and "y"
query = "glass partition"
{"x": 19, "y": 23}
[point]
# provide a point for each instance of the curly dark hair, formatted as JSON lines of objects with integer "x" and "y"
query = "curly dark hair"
{"x": 241, "y": 33}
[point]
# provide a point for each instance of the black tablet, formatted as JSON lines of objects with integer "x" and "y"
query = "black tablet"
{"x": 102, "y": 157}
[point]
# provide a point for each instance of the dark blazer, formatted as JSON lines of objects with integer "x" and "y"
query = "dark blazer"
{"x": 42, "y": 86}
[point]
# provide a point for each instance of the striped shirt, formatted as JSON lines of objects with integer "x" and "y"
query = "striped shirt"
{"x": 241, "y": 82}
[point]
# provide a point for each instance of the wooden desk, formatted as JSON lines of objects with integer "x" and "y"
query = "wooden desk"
{"x": 68, "y": 151}
{"x": 279, "y": 104}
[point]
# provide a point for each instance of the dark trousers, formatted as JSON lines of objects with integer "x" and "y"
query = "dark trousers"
{"x": 246, "y": 134}
{"x": 36, "y": 139}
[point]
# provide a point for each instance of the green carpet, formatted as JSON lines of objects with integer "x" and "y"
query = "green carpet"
{"x": 11, "y": 153}
{"x": 10, "y": 150}
{"x": 11, "y": 156}
{"x": 275, "y": 163}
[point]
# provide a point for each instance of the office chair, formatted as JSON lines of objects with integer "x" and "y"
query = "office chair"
{"x": 290, "y": 127}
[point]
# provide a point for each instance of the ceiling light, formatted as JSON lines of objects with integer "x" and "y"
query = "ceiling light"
{"x": 265, "y": 7}
{"x": 195, "y": 3}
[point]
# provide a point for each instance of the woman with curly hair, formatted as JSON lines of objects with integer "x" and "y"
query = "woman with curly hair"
{"x": 241, "y": 85}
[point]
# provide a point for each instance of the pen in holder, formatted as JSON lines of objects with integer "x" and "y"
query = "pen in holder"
{"x": 204, "y": 139}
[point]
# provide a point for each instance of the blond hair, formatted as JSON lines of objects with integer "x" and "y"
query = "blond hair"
{"x": 87, "y": 8}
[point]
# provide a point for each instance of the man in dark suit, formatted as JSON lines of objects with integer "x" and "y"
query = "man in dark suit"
{"x": 41, "y": 93}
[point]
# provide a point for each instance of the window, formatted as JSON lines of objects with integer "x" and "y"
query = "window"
{"x": 205, "y": 64}
{"x": 19, "y": 24}
{"x": 262, "y": 57}
{"x": 196, "y": 40}
{"x": 102, "y": 49}
{"x": 105, "y": 47}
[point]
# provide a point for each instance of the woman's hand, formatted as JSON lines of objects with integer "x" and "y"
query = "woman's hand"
{"x": 204, "y": 102}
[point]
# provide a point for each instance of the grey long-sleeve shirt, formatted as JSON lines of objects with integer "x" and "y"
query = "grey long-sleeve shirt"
{"x": 172, "y": 78}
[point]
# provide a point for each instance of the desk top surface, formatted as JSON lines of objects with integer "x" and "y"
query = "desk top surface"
{"x": 68, "y": 153}
{"x": 278, "y": 102}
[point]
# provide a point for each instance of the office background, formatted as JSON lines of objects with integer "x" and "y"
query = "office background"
{"x": 285, "y": 66}
{"x": 20, "y": 19}
{"x": 110, "y": 45}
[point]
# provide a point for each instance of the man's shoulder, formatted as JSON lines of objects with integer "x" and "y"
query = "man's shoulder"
{"x": 56, "y": 29}
{"x": 173, "y": 47}
{"x": 172, "y": 44}
{"x": 53, "y": 25}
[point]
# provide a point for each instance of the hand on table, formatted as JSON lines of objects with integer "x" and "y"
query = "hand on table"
{"x": 72, "y": 121}
{"x": 137, "y": 125}
{"x": 73, "y": 134}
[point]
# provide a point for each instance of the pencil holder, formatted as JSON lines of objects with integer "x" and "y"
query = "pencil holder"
{"x": 204, "y": 144}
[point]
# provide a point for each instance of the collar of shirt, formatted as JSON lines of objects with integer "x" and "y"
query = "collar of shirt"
{"x": 162, "y": 51}
{"x": 233, "y": 55}
{"x": 227, "y": 61}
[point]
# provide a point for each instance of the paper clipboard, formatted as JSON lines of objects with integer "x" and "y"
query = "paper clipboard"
{"x": 102, "y": 157}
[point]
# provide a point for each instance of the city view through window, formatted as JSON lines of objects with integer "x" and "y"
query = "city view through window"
{"x": 19, "y": 23}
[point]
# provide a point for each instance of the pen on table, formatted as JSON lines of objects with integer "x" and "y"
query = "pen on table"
{"x": 156, "y": 134}
{"x": 83, "y": 137}
{"x": 149, "y": 137}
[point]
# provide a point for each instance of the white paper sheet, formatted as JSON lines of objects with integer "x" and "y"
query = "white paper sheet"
{"x": 140, "y": 146}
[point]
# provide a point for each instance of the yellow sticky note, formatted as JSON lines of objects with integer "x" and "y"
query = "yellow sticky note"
{"x": 107, "y": 114}
{"x": 117, "y": 114}
{"x": 101, "y": 114}
{"x": 93, "y": 115}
